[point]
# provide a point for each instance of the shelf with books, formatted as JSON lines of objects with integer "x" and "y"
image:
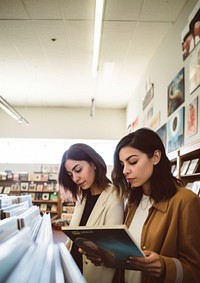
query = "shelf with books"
{"x": 67, "y": 210}
{"x": 187, "y": 161}
{"x": 43, "y": 190}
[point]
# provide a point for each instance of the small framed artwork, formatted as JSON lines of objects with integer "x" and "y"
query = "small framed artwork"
{"x": 194, "y": 70}
{"x": 148, "y": 96}
{"x": 6, "y": 190}
{"x": 39, "y": 187}
{"x": 192, "y": 117}
{"x": 24, "y": 186}
{"x": 13, "y": 187}
{"x": 54, "y": 196}
{"x": 45, "y": 196}
{"x": 162, "y": 132}
{"x": 43, "y": 207}
{"x": 32, "y": 187}
{"x": 175, "y": 130}
{"x": 176, "y": 92}
{"x": 54, "y": 208}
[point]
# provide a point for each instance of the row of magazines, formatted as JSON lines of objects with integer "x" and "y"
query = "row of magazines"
{"x": 28, "y": 252}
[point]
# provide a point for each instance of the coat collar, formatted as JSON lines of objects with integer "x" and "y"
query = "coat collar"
{"x": 97, "y": 210}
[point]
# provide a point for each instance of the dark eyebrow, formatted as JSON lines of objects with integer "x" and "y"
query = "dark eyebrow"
{"x": 127, "y": 159}
{"x": 73, "y": 168}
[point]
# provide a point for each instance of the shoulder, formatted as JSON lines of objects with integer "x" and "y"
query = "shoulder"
{"x": 185, "y": 194}
{"x": 185, "y": 197}
{"x": 109, "y": 195}
{"x": 110, "y": 191}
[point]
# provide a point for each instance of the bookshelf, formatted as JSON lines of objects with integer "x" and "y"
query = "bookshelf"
{"x": 42, "y": 188}
{"x": 186, "y": 161}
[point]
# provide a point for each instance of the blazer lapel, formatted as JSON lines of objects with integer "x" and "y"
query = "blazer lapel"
{"x": 98, "y": 208}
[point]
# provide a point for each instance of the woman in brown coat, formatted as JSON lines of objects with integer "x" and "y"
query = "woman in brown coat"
{"x": 162, "y": 215}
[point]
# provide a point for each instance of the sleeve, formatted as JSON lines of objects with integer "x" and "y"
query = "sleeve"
{"x": 186, "y": 266}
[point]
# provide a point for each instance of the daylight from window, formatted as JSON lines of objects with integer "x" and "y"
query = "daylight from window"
{"x": 48, "y": 151}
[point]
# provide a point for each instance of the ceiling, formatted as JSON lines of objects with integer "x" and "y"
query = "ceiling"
{"x": 46, "y": 49}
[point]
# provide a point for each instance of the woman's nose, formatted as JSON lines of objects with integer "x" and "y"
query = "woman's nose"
{"x": 75, "y": 177}
{"x": 126, "y": 170}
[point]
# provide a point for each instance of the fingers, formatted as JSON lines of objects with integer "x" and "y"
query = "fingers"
{"x": 153, "y": 263}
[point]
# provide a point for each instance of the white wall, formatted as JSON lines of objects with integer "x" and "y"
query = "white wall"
{"x": 66, "y": 123}
{"x": 164, "y": 66}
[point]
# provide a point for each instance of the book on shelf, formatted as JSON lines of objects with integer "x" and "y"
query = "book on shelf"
{"x": 113, "y": 244}
{"x": 185, "y": 167}
{"x": 6, "y": 190}
{"x": 196, "y": 187}
{"x": 175, "y": 171}
{"x": 193, "y": 166}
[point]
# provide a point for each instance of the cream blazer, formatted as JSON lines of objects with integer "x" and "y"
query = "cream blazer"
{"x": 108, "y": 210}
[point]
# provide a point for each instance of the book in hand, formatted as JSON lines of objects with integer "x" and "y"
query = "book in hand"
{"x": 114, "y": 245}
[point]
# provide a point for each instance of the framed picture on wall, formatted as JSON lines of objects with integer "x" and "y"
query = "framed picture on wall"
{"x": 194, "y": 69}
{"x": 148, "y": 96}
{"x": 176, "y": 92}
{"x": 175, "y": 130}
{"x": 162, "y": 132}
{"x": 192, "y": 117}
{"x": 190, "y": 35}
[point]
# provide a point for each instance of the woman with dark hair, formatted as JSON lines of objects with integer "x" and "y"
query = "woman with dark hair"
{"x": 83, "y": 174}
{"x": 161, "y": 214}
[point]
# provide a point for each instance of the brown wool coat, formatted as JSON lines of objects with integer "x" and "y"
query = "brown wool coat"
{"x": 172, "y": 229}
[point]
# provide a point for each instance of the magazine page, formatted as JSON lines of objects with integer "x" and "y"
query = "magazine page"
{"x": 113, "y": 244}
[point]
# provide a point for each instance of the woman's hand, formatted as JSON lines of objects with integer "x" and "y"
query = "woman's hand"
{"x": 94, "y": 259}
{"x": 153, "y": 263}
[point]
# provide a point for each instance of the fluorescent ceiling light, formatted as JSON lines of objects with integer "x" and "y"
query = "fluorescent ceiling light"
{"x": 97, "y": 35}
{"x": 11, "y": 111}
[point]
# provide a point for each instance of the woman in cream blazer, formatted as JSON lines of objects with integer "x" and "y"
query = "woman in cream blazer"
{"x": 83, "y": 174}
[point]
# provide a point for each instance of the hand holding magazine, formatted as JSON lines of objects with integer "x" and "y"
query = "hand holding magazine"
{"x": 114, "y": 245}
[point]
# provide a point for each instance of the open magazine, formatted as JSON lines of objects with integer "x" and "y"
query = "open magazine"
{"x": 114, "y": 245}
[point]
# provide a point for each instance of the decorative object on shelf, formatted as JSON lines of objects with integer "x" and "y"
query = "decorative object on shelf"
{"x": 185, "y": 167}
{"x": 45, "y": 196}
{"x": 24, "y": 186}
{"x": 193, "y": 166}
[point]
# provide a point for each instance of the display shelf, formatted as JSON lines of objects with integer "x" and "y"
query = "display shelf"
{"x": 187, "y": 160}
{"x": 43, "y": 191}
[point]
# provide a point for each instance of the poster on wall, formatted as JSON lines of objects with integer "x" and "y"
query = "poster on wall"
{"x": 194, "y": 69}
{"x": 175, "y": 130}
{"x": 148, "y": 96}
{"x": 162, "y": 132}
{"x": 134, "y": 124}
{"x": 176, "y": 92}
{"x": 192, "y": 117}
{"x": 190, "y": 35}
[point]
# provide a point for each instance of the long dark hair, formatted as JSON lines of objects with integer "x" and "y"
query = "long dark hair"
{"x": 81, "y": 151}
{"x": 163, "y": 183}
